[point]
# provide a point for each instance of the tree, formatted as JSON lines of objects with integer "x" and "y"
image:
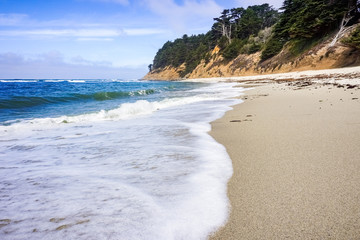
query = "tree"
{"x": 354, "y": 39}
{"x": 230, "y": 31}
{"x": 233, "y": 50}
{"x": 225, "y": 24}
{"x": 306, "y": 21}
{"x": 347, "y": 21}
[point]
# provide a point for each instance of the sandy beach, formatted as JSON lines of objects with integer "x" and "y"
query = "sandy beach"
{"x": 295, "y": 148}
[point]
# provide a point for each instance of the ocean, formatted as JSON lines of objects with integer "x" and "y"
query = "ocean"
{"x": 112, "y": 159}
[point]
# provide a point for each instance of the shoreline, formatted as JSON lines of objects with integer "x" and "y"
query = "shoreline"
{"x": 294, "y": 149}
{"x": 334, "y": 74}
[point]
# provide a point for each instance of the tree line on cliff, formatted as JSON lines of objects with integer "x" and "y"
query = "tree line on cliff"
{"x": 299, "y": 25}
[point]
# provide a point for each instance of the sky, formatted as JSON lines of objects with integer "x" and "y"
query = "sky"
{"x": 90, "y": 39}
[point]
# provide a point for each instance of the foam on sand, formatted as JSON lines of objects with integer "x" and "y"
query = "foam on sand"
{"x": 145, "y": 170}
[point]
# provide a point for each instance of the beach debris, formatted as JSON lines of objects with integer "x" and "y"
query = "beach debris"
{"x": 339, "y": 85}
{"x": 350, "y": 86}
{"x": 298, "y": 85}
{"x": 56, "y": 220}
{"x": 63, "y": 227}
{"x": 4, "y": 222}
{"x": 235, "y": 121}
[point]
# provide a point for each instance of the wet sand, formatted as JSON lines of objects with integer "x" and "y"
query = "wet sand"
{"x": 296, "y": 159}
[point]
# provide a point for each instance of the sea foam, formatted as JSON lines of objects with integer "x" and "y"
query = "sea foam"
{"x": 144, "y": 170}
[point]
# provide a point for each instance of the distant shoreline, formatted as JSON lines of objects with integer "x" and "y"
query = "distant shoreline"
{"x": 294, "y": 144}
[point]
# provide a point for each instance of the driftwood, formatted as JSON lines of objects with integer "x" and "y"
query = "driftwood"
{"x": 344, "y": 28}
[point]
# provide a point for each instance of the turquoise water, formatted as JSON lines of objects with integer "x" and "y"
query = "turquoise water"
{"x": 21, "y": 99}
{"x": 112, "y": 159}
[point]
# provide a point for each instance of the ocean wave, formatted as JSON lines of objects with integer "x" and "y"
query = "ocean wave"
{"x": 23, "y": 101}
{"x": 17, "y": 81}
{"x": 123, "y": 112}
{"x": 155, "y": 171}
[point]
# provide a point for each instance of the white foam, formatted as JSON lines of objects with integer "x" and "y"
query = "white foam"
{"x": 127, "y": 110}
{"x": 76, "y": 81}
{"x": 18, "y": 81}
{"x": 150, "y": 175}
{"x": 55, "y": 80}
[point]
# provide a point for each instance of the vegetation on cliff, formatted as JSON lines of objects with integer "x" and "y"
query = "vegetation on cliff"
{"x": 304, "y": 22}
{"x": 186, "y": 50}
{"x": 236, "y": 30}
{"x": 354, "y": 39}
{"x": 298, "y": 25}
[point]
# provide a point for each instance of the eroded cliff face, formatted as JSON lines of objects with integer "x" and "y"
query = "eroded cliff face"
{"x": 167, "y": 73}
{"x": 319, "y": 57}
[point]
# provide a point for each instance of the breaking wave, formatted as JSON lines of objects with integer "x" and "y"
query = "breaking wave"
{"x": 24, "y": 102}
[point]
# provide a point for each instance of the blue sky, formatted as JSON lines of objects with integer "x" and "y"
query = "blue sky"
{"x": 97, "y": 38}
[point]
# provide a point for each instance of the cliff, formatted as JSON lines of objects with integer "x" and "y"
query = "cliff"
{"x": 319, "y": 57}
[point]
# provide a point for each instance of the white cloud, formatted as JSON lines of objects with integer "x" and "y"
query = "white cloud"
{"x": 12, "y": 19}
{"x": 183, "y": 18}
{"x": 80, "y": 60}
{"x": 94, "y": 39}
{"x": 11, "y": 58}
{"x": 52, "y": 65}
{"x": 64, "y": 32}
{"x": 122, "y": 2}
{"x": 142, "y": 31}
{"x": 86, "y": 34}
{"x": 50, "y": 57}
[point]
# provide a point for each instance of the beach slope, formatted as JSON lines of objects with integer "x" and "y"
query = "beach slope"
{"x": 296, "y": 156}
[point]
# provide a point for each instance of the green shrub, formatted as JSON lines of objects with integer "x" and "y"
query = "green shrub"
{"x": 299, "y": 46}
{"x": 254, "y": 48}
{"x": 272, "y": 48}
{"x": 233, "y": 49}
{"x": 354, "y": 39}
{"x": 223, "y": 42}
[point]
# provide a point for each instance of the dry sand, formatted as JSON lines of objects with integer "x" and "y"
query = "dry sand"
{"x": 296, "y": 160}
